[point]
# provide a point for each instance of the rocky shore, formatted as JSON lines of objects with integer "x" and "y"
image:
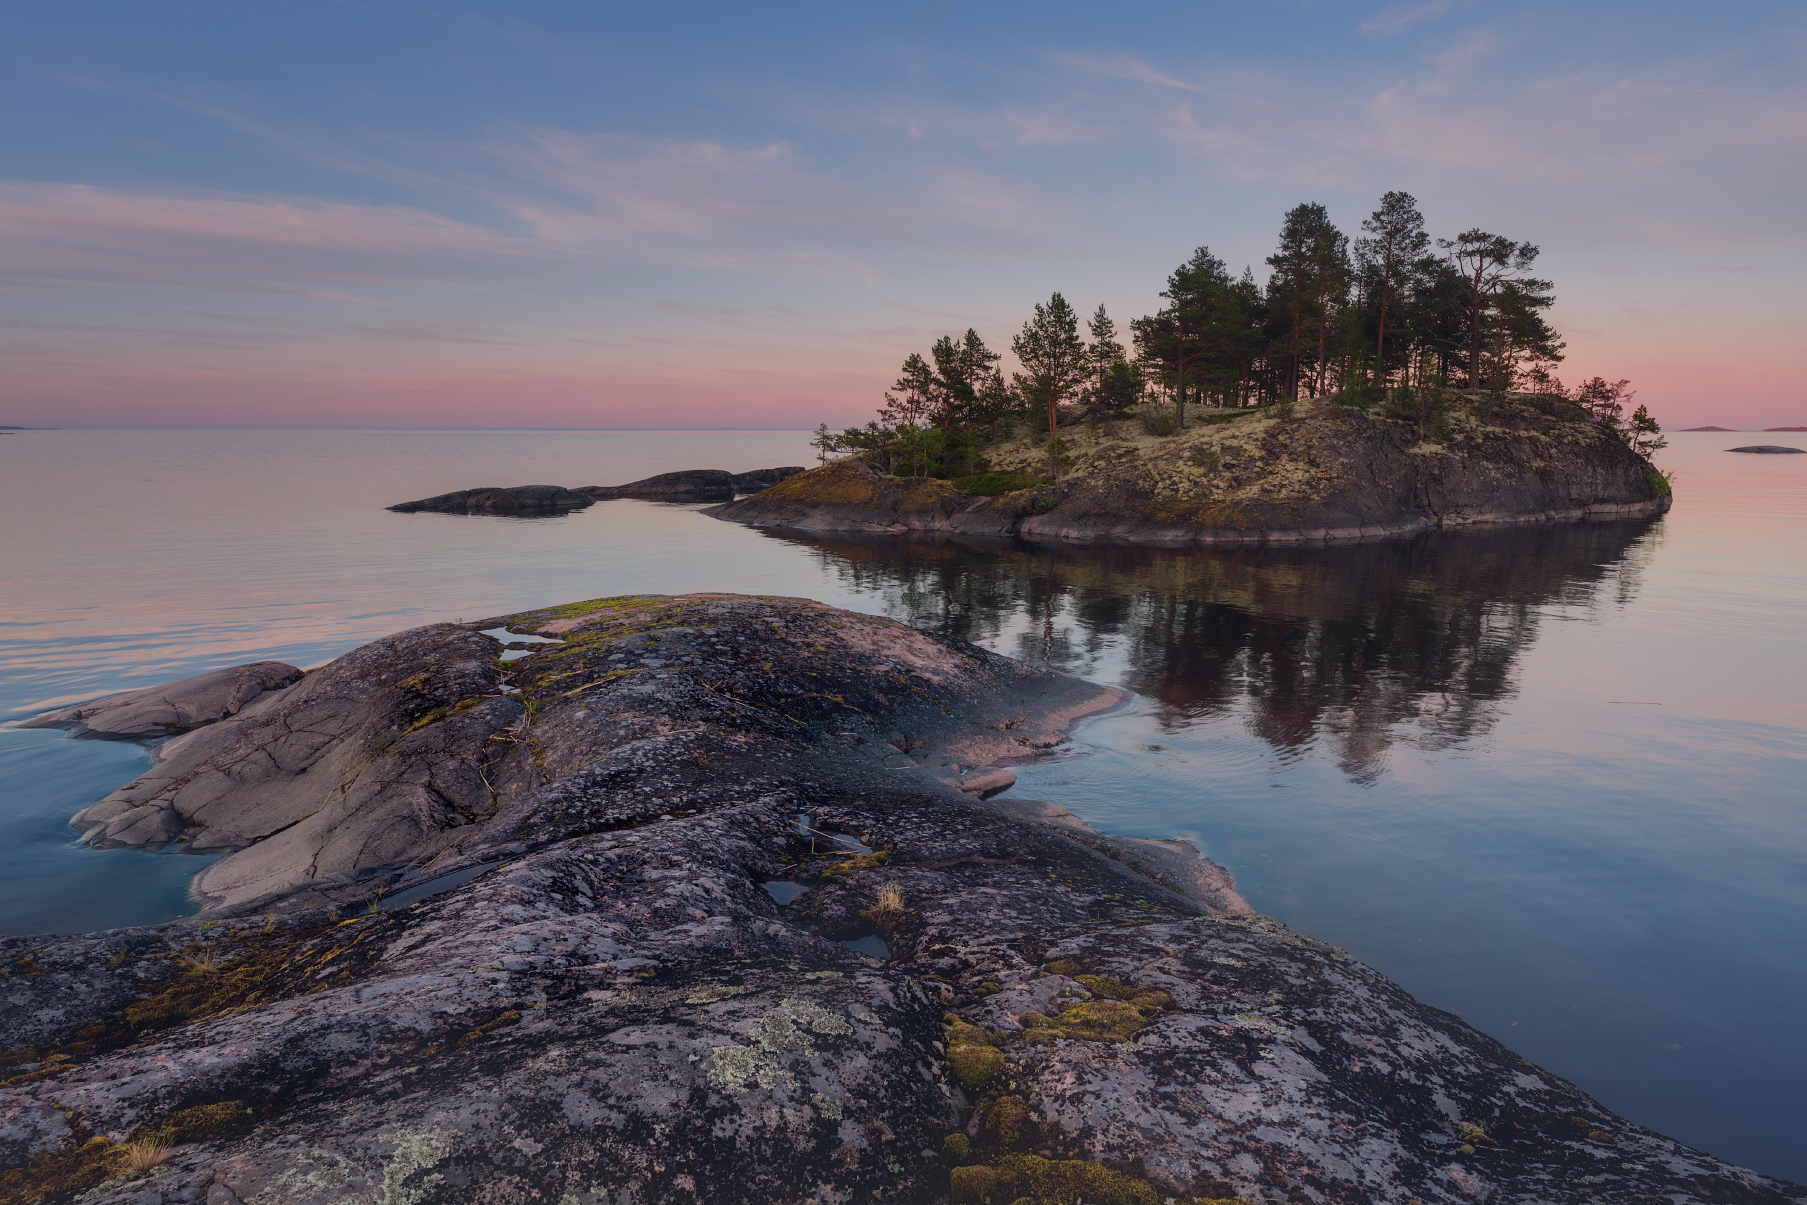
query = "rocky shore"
{"x": 1300, "y": 474}
{"x": 511, "y": 930}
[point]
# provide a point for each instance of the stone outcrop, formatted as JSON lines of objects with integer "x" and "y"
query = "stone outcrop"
{"x": 759, "y": 479}
{"x": 495, "y": 500}
{"x": 173, "y": 707}
{"x": 694, "y": 485}
{"x": 1259, "y": 477}
{"x": 591, "y": 993}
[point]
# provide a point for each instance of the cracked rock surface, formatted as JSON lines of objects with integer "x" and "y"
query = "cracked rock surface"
{"x": 173, "y": 707}
{"x": 581, "y": 986}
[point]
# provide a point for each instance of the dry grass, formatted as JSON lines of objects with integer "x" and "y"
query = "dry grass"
{"x": 205, "y": 961}
{"x": 890, "y": 899}
{"x": 148, "y": 1152}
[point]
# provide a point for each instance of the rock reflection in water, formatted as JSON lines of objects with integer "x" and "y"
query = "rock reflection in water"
{"x": 1359, "y": 645}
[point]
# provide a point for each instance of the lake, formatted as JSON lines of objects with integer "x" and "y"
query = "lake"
{"x": 1548, "y": 777}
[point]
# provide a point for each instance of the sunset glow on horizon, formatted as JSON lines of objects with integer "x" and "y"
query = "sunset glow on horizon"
{"x": 448, "y": 217}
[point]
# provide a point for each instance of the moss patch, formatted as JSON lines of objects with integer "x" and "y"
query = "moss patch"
{"x": 972, "y": 1054}
{"x": 57, "y": 1174}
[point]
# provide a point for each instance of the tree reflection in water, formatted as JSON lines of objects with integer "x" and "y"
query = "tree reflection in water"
{"x": 1358, "y": 645}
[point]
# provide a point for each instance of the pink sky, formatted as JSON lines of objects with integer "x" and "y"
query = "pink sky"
{"x": 774, "y": 271}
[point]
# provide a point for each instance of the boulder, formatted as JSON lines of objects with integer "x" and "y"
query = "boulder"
{"x": 583, "y": 992}
{"x": 173, "y": 707}
{"x": 1767, "y": 449}
{"x": 495, "y": 500}
{"x": 687, "y": 485}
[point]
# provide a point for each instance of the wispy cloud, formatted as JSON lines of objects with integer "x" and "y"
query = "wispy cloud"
{"x": 1124, "y": 67}
{"x": 1402, "y": 16}
{"x": 64, "y": 235}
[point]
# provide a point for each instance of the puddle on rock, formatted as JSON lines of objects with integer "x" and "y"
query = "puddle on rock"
{"x": 504, "y": 636}
{"x": 872, "y": 946}
{"x": 846, "y": 843}
{"x": 445, "y": 882}
{"x": 783, "y": 890}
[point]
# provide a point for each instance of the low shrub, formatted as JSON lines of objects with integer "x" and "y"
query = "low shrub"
{"x": 990, "y": 485}
{"x": 1160, "y": 422}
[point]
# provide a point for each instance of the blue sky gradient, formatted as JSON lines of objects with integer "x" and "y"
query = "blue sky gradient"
{"x": 385, "y": 214}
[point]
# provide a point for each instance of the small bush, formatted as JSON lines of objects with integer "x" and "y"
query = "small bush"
{"x": 1160, "y": 422}
{"x": 990, "y": 485}
{"x": 1205, "y": 458}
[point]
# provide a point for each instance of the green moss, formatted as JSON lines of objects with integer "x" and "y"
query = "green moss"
{"x": 58, "y": 1174}
{"x": 210, "y": 1123}
{"x": 956, "y": 1148}
{"x": 972, "y": 1054}
{"x": 1091, "y": 1021}
{"x": 848, "y": 867}
{"x": 1048, "y": 1182}
{"x": 1063, "y": 966}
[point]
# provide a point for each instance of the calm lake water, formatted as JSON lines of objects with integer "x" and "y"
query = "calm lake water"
{"x": 1549, "y": 778}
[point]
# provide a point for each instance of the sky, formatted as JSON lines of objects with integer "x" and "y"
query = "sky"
{"x": 432, "y": 215}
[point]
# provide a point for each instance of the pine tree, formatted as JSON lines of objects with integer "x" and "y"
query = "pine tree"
{"x": 1490, "y": 265}
{"x": 1052, "y": 355}
{"x": 1396, "y": 242}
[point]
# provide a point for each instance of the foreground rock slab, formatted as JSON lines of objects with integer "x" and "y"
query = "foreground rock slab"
{"x": 588, "y": 991}
{"x": 173, "y": 707}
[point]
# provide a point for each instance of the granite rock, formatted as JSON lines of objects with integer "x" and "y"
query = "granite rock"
{"x": 173, "y": 707}
{"x": 497, "y": 500}
{"x": 589, "y": 997}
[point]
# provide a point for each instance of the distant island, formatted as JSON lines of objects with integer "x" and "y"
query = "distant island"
{"x": 1709, "y": 429}
{"x": 1280, "y": 474}
{"x": 1767, "y": 429}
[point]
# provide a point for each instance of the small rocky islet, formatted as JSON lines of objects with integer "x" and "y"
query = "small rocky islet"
{"x": 1291, "y": 473}
{"x": 498, "y": 920}
{"x": 686, "y": 485}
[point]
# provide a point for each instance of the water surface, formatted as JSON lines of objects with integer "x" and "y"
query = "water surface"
{"x": 1549, "y": 778}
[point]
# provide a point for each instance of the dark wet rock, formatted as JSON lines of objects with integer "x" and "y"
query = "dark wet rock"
{"x": 495, "y": 500}
{"x": 1306, "y": 475}
{"x": 173, "y": 707}
{"x": 759, "y": 479}
{"x": 689, "y": 485}
{"x": 1767, "y": 448}
{"x": 615, "y": 1010}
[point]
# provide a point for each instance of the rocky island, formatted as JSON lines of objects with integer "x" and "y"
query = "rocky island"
{"x": 686, "y": 485}
{"x": 702, "y": 898}
{"x": 1280, "y": 474}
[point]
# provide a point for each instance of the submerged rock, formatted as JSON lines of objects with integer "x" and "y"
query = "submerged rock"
{"x": 494, "y": 500}
{"x": 1268, "y": 476}
{"x": 173, "y": 707}
{"x": 604, "y": 1005}
{"x": 1766, "y": 448}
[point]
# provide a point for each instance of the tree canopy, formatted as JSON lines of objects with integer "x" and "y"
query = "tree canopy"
{"x": 1374, "y": 319}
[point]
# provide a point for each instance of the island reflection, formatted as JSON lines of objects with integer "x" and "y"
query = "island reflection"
{"x": 1357, "y": 645}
